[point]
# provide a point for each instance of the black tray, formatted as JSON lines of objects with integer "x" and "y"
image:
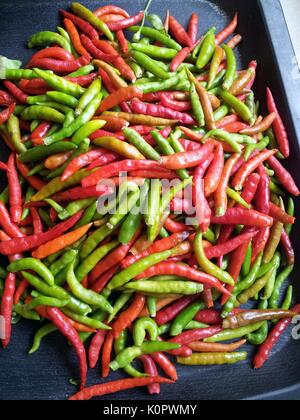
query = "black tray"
{"x": 45, "y": 375}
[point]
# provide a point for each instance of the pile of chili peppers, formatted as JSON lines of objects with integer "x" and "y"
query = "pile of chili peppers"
{"x": 142, "y": 287}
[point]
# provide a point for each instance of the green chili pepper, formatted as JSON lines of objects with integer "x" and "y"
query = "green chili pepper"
{"x": 98, "y": 315}
{"x": 25, "y": 313}
{"x": 247, "y": 261}
{"x": 33, "y": 265}
{"x": 41, "y": 152}
{"x": 47, "y": 301}
{"x": 207, "y": 265}
{"x": 138, "y": 141}
{"x": 287, "y": 302}
{"x": 119, "y": 346}
{"x": 60, "y": 84}
{"x": 151, "y": 306}
{"x": 83, "y": 118}
{"x": 196, "y": 106}
{"x": 88, "y": 215}
{"x": 29, "y": 193}
{"x": 207, "y": 359}
{"x": 149, "y": 64}
{"x": 90, "y": 322}
{"x": 58, "y": 293}
{"x": 74, "y": 207}
{"x": 233, "y": 334}
{"x": 240, "y": 108}
{"x": 157, "y": 36}
{"x": 155, "y": 52}
{"x": 224, "y": 136}
{"x": 87, "y": 296}
{"x": 36, "y": 100}
{"x": 62, "y": 98}
{"x": 69, "y": 118}
{"x": 230, "y": 74}
{"x": 166, "y": 148}
{"x": 262, "y": 145}
{"x": 18, "y": 74}
{"x": 42, "y": 112}
{"x": 291, "y": 212}
{"x": 131, "y": 353}
{"x": 195, "y": 325}
{"x": 62, "y": 262}
{"x": 152, "y": 215}
{"x": 119, "y": 304}
{"x": 65, "y": 35}
{"x": 141, "y": 326}
{"x": 13, "y": 128}
{"x": 93, "y": 90}
{"x": 185, "y": 316}
{"x": 207, "y": 50}
{"x": 87, "y": 15}
{"x": 83, "y": 71}
{"x": 92, "y": 260}
{"x": 156, "y": 86}
{"x": 186, "y": 288}
{"x": 93, "y": 240}
{"x": 274, "y": 300}
{"x": 42, "y": 39}
{"x": 39, "y": 335}
{"x": 259, "y": 337}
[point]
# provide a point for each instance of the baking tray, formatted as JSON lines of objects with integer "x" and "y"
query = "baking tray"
{"x": 45, "y": 375}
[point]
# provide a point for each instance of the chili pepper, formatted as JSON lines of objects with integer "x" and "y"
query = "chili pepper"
{"x": 141, "y": 326}
{"x": 80, "y": 162}
{"x": 274, "y": 300}
{"x": 13, "y": 128}
{"x": 63, "y": 325}
{"x": 257, "y": 286}
{"x": 201, "y": 347}
{"x": 33, "y": 265}
{"x": 193, "y": 27}
{"x": 41, "y": 152}
{"x": 15, "y": 192}
{"x": 215, "y": 64}
{"x": 157, "y": 36}
{"x": 43, "y": 38}
{"x": 131, "y": 353}
{"x": 278, "y": 126}
{"x": 207, "y": 50}
{"x": 6, "y": 98}
{"x": 273, "y": 241}
{"x": 179, "y": 33}
{"x": 137, "y": 140}
{"x": 226, "y": 335}
{"x": 87, "y": 296}
{"x": 109, "y": 9}
{"x": 287, "y": 246}
{"x": 228, "y": 30}
{"x": 149, "y": 64}
{"x": 129, "y": 315}
{"x": 251, "y": 317}
{"x": 9, "y": 227}
{"x": 120, "y": 147}
{"x": 75, "y": 39}
{"x": 58, "y": 265}
{"x": 283, "y": 176}
{"x": 95, "y": 347}
{"x": 39, "y": 335}
{"x": 16, "y": 92}
{"x": 196, "y": 106}
{"x": 7, "y": 306}
{"x": 242, "y": 81}
{"x": 91, "y": 92}
{"x": 55, "y": 161}
{"x": 240, "y": 108}
{"x": 185, "y": 316}
{"x": 150, "y": 369}
{"x": 185, "y": 160}
{"x": 83, "y": 25}
{"x": 230, "y": 74}
{"x": 245, "y": 217}
{"x": 266, "y": 348}
{"x": 119, "y": 346}
{"x": 112, "y": 387}
{"x": 287, "y": 303}
{"x": 170, "y": 312}
{"x": 278, "y": 214}
{"x": 212, "y": 358}
{"x": 4, "y": 115}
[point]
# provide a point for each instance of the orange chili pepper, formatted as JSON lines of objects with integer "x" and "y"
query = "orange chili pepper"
{"x": 56, "y": 161}
{"x": 75, "y": 38}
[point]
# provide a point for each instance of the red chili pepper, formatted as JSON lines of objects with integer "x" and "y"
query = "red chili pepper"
{"x": 235, "y": 127}
{"x": 110, "y": 9}
{"x": 189, "y": 145}
{"x": 187, "y": 160}
{"x": 40, "y": 132}
{"x": 79, "y": 193}
{"x": 234, "y": 42}
{"x": 196, "y": 335}
{"x": 193, "y": 27}
{"x": 170, "y": 312}
{"x": 22, "y": 244}
{"x": 283, "y": 176}
{"x": 116, "y": 386}
{"x": 249, "y": 167}
{"x": 242, "y": 216}
{"x": 36, "y": 221}
{"x": 104, "y": 279}
{"x": 112, "y": 123}
{"x": 173, "y": 226}
{"x": 203, "y": 212}
{"x": 64, "y": 326}
{"x": 115, "y": 257}
{"x": 15, "y": 91}
{"x": 7, "y": 306}
{"x": 6, "y": 98}
{"x": 165, "y": 364}
{"x": 179, "y": 33}
{"x": 52, "y": 52}
{"x": 223, "y": 35}
{"x": 266, "y": 348}
{"x": 103, "y": 160}
{"x": 158, "y": 246}
{"x": 105, "y": 133}
{"x": 139, "y": 107}
{"x": 209, "y": 316}
{"x": 115, "y": 168}
{"x": 75, "y": 38}
{"x": 235, "y": 266}
{"x": 39, "y": 86}
{"x": 95, "y": 347}
{"x": 220, "y": 195}
{"x": 262, "y": 199}
{"x": 84, "y": 26}
{"x": 214, "y": 172}
{"x": 6, "y": 113}
{"x": 179, "y": 58}
{"x": 129, "y": 315}
{"x": 288, "y": 247}
{"x": 151, "y": 370}
{"x": 121, "y": 95}
{"x": 125, "y": 23}
{"x": 278, "y": 214}
{"x": 106, "y": 353}
{"x": 93, "y": 50}
{"x": 106, "y": 81}
{"x": 9, "y": 227}
{"x": 278, "y": 126}
{"x": 182, "y": 270}
{"x": 259, "y": 243}
{"x": 35, "y": 182}
{"x": 81, "y": 161}
{"x": 15, "y": 190}
{"x": 229, "y": 119}
{"x": 168, "y": 101}
{"x": 20, "y": 290}
{"x": 59, "y": 66}
{"x": 123, "y": 42}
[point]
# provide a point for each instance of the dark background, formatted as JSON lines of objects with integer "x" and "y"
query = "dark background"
{"x": 45, "y": 375}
